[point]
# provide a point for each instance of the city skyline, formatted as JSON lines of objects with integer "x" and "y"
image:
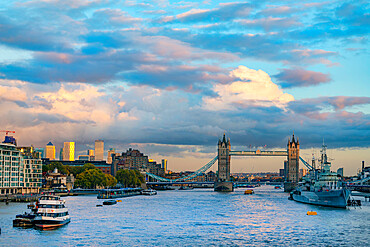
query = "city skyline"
{"x": 170, "y": 78}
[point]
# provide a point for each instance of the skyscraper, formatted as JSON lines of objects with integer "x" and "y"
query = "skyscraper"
{"x": 164, "y": 165}
{"x": 50, "y": 151}
{"x": 110, "y": 152}
{"x": 99, "y": 150}
{"x": 69, "y": 151}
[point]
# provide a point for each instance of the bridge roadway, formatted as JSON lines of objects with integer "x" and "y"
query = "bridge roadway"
{"x": 258, "y": 153}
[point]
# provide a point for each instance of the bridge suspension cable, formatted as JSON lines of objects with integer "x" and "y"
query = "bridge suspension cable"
{"x": 190, "y": 176}
{"x": 306, "y": 163}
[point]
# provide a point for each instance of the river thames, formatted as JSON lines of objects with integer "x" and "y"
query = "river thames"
{"x": 198, "y": 217}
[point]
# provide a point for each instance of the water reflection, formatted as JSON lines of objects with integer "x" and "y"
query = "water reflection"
{"x": 195, "y": 218}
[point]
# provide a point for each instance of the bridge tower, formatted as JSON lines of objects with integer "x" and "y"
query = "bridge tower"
{"x": 223, "y": 179}
{"x": 292, "y": 168}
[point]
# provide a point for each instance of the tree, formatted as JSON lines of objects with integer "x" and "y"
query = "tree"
{"x": 130, "y": 178}
{"x": 88, "y": 166}
{"x": 91, "y": 179}
{"x": 111, "y": 181}
{"x": 55, "y": 164}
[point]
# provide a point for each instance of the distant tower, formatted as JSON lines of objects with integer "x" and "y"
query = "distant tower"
{"x": 99, "y": 150}
{"x": 292, "y": 169}
{"x": 223, "y": 180}
{"x": 69, "y": 151}
{"x": 164, "y": 165}
{"x": 50, "y": 151}
{"x": 224, "y": 148}
{"x": 61, "y": 154}
{"x": 110, "y": 152}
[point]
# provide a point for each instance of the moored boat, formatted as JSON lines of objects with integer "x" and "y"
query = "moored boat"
{"x": 51, "y": 213}
{"x": 149, "y": 192}
{"x": 322, "y": 187}
{"x": 186, "y": 188}
{"x": 109, "y": 202}
{"x": 24, "y": 220}
{"x": 118, "y": 193}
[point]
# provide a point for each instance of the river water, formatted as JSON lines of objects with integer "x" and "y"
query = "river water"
{"x": 199, "y": 217}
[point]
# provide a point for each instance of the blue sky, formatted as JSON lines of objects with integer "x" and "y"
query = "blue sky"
{"x": 170, "y": 77}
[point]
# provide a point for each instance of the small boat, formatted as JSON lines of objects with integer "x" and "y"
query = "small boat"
{"x": 164, "y": 187}
{"x": 99, "y": 205}
{"x": 24, "y": 220}
{"x": 277, "y": 187}
{"x": 149, "y": 192}
{"x": 186, "y": 188}
{"x": 311, "y": 213}
{"x": 51, "y": 213}
{"x": 248, "y": 192}
{"x": 109, "y": 202}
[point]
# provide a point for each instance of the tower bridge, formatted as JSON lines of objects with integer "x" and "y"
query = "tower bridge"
{"x": 223, "y": 157}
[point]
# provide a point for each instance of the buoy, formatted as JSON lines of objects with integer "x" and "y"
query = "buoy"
{"x": 311, "y": 213}
{"x": 248, "y": 192}
{"x": 119, "y": 200}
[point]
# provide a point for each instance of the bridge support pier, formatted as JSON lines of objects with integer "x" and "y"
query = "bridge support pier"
{"x": 224, "y": 186}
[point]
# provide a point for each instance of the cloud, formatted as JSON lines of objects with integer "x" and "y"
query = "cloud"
{"x": 223, "y": 13}
{"x": 326, "y": 104}
{"x": 252, "y": 88}
{"x": 270, "y": 23}
{"x": 12, "y": 94}
{"x": 108, "y": 18}
{"x": 278, "y": 10}
{"x": 298, "y": 77}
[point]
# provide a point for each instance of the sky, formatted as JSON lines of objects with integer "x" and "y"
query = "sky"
{"x": 171, "y": 77}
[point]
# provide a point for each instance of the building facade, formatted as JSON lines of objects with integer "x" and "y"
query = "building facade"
{"x": 99, "y": 150}
{"x": 69, "y": 151}
{"x": 134, "y": 159}
{"x": 50, "y": 151}
{"x": 20, "y": 173}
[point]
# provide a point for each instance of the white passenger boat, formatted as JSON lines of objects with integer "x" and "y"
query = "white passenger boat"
{"x": 51, "y": 212}
{"x": 149, "y": 192}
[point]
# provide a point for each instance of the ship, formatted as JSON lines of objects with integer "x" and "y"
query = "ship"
{"x": 51, "y": 213}
{"x": 322, "y": 186}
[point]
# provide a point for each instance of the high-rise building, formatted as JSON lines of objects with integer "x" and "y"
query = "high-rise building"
{"x": 99, "y": 150}
{"x": 91, "y": 154}
{"x": 110, "y": 152}
{"x": 164, "y": 165}
{"x": 40, "y": 152}
{"x": 61, "y": 154}
{"x": 50, "y": 151}
{"x": 69, "y": 151}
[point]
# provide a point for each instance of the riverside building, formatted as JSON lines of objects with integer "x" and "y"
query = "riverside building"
{"x": 20, "y": 170}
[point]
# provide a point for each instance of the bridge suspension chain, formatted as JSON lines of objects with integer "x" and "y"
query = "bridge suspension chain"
{"x": 306, "y": 163}
{"x": 190, "y": 176}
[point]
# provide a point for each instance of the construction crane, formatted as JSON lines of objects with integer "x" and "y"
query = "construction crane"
{"x": 7, "y": 131}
